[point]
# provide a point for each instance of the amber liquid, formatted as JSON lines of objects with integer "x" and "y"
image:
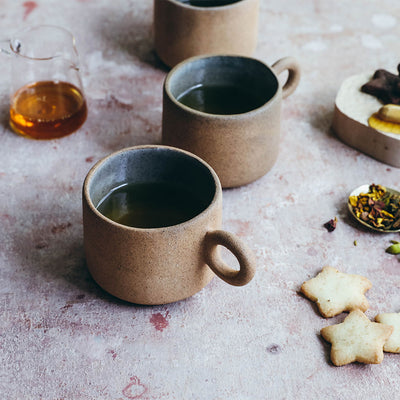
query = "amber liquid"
{"x": 151, "y": 205}
{"x": 47, "y": 110}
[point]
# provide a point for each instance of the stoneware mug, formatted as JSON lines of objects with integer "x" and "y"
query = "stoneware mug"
{"x": 159, "y": 265}
{"x": 227, "y": 110}
{"x": 187, "y": 28}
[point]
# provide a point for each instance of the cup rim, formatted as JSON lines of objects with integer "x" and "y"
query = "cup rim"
{"x": 212, "y": 8}
{"x": 203, "y": 114}
{"x": 36, "y": 27}
{"x": 98, "y": 164}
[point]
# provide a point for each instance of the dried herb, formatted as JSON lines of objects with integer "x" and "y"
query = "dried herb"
{"x": 377, "y": 208}
{"x": 331, "y": 225}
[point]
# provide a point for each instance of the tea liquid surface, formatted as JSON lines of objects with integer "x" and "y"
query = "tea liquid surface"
{"x": 223, "y": 100}
{"x": 209, "y": 3}
{"x": 151, "y": 205}
{"x": 47, "y": 110}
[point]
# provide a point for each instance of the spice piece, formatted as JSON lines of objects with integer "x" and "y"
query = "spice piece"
{"x": 355, "y": 243}
{"x": 393, "y": 249}
{"x": 377, "y": 208}
{"x": 385, "y": 86}
{"x": 331, "y": 225}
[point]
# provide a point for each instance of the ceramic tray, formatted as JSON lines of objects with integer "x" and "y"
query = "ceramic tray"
{"x": 350, "y": 122}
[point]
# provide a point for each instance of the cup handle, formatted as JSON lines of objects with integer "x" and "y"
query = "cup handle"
{"x": 293, "y": 79}
{"x": 239, "y": 250}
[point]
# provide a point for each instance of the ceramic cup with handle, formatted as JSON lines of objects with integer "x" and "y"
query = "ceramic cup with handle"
{"x": 168, "y": 256}
{"x": 187, "y": 28}
{"x": 227, "y": 110}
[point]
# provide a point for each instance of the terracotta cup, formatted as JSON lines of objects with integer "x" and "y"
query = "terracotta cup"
{"x": 187, "y": 28}
{"x": 165, "y": 264}
{"x": 241, "y": 144}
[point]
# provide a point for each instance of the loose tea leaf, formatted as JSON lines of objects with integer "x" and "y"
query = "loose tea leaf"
{"x": 377, "y": 208}
{"x": 331, "y": 225}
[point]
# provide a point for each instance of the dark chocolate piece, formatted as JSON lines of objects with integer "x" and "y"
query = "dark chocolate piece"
{"x": 385, "y": 86}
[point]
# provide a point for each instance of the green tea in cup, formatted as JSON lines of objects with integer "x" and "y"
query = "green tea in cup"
{"x": 222, "y": 99}
{"x": 209, "y": 3}
{"x": 151, "y": 204}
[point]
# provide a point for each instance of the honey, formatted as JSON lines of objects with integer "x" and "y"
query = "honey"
{"x": 47, "y": 110}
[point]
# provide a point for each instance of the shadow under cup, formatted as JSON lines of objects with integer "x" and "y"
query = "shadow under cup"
{"x": 166, "y": 262}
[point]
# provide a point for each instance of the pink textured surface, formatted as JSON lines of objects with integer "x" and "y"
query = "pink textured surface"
{"x": 62, "y": 337}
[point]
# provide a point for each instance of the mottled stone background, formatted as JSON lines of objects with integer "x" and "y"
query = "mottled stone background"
{"x": 62, "y": 337}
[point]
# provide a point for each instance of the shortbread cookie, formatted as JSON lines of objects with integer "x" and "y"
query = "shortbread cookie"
{"x": 335, "y": 292}
{"x": 393, "y": 343}
{"x": 357, "y": 339}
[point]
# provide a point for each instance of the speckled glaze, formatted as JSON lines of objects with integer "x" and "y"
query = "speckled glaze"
{"x": 182, "y": 30}
{"x": 240, "y": 147}
{"x": 158, "y": 265}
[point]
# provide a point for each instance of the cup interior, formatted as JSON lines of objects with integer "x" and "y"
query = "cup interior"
{"x": 209, "y": 3}
{"x": 230, "y": 84}
{"x": 153, "y": 165}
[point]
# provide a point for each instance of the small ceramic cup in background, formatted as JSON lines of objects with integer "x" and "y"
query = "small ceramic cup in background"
{"x": 187, "y": 28}
{"x": 163, "y": 264}
{"x": 227, "y": 110}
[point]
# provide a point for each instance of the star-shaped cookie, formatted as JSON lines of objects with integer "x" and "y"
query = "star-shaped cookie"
{"x": 357, "y": 339}
{"x": 335, "y": 291}
{"x": 393, "y": 343}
